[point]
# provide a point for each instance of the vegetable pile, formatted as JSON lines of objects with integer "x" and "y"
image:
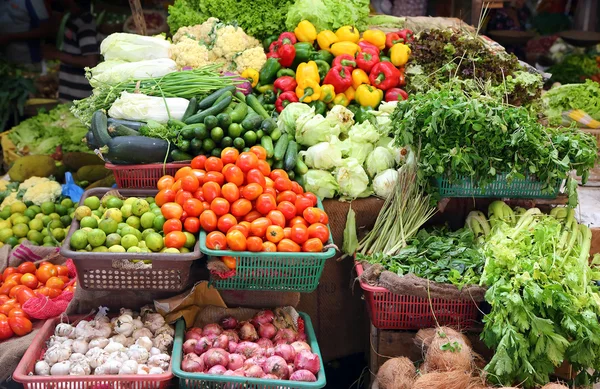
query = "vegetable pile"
{"x": 269, "y": 346}
{"x": 563, "y": 98}
{"x": 575, "y": 68}
{"x": 129, "y": 344}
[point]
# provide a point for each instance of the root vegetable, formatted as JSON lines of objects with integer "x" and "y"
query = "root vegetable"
{"x": 77, "y": 357}
{"x": 154, "y": 351}
{"x": 216, "y": 356}
{"x": 269, "y": 352}
{"x": 228, "y": 322}
{"x": 192, "y": 364}
{"x": 60, "y": 368}
{"x": 249, "y": 349}
{"x": 424, "y": 337}
{"x": 80, "y": 346}
{"x": 254, "y": 371}
{"x": 443, "y": 380}
{"x": 267, "y": 330}
{"x": 396, "y": 373}
{"x": 162, "y": 341}
{"x": 144, "y": 342}
{"x": 222, "y": 341}
{"x": 301, "y": 337}
{"x": 202, "y": 345}
{"x": 124, "y": 325}
{"x": 303, "y": 375}
{"x": 189, "y": 346}
{"x": 165, "y": 329}
{"x": 57, "y": 353}
{"x": 264, "y": 343}
{"x": 160, "y": 360}
{"x": 234, "y": 373}
{"x": 137, "y": 323}
{"x": 138, "y": 353}
{"x": 299, "y": 346}
{"x": 212, "y": 329}
{"x": 276, "y": 365}
{"x": 98, "y": 342}
{"x": 231, "y": 335}
{"x": 248, "y": 332}
{"x": 156, "y": 370}
{"x": 41, "y": 368}
{"x": 554, "y": 386}
{"x": 285, "y": 335}
{"x": 138, "y": 333}
{"x": 96, "y": 357}
{"x": 236, "y": 361}
{"x": 128, "y": 367}
{"x": 193, "y": 333}
{"x": 64, "y": 330}
{"x": 121, "y": 339}
{"x": 270, "y": 377}
{"x": 258, "y": 361}
{"x": 232, "y": 346}
{"x": 263, "y": 317}
{"x": 120, "y": 356}
{"x": 286, "y": 352}
{"x": 112, "y": 346}
{"x": 153, "y": 321}
{"x": 306, "y": 360}
{"x": 217, "y": 370}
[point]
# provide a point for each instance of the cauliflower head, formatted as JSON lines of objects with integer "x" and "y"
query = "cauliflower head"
{"x": 32, "y": 181}
{"x": 231, "y": 40}
{"x": 3, "y": 184}
{"x": 9, "y": 200}
{"x": 200, "y": 32}
{"x": 189, "y": 52}
{"x": 252, "y": 58}
{"x": 43, "y": 192}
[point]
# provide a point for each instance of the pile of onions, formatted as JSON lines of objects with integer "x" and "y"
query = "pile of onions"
{"x": 253, "y": 349}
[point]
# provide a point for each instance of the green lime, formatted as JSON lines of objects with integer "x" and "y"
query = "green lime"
{"x": 15, "y": 216}
{"x": 36, "y": 208}
{"x": 170, "y": 251}
{"x": 150, "y": 200}
{"x": 113, "y": 239}
{"x": 147, "y": 232}
{"x": 86, "y": 229}
{"x": 158, "y": 223}
{"x": 21, "y": 219}
{"x": 29, "y": 213}
{"x": 210, "y": 122}
{"x": 196, "y": 145}
{"x": 6, "y": 233}
{"x": 59, "y": 234}
{"x": 47, "y": 238}
{"x": 208, "y": 145}
{"x": 216, "y": 152}
{"x": 216, "y": 134}
{"x": 97, "y": 213}
{"x": 82, "y": 212}
{"x": 134, "y": 249}
{"x": 54, "y": 216}
{"x": 250, "y": 138}
{"x": 142, "y": 245}
{"x": 200, "y": 131}
{"x": 115, "y": 214}
{"x": 187, "y": 133}
{"x": 114, "y": 202}
{"x": 129, "y": 240}
{"x": 154, "y": 242}
{"x": 116, "y": 249}
{"x": 5, "y": 224}
{"x": 96, "y": 237}
{"x": 183, "y": 145}
{"x": 126, "y": 210}
{"x": 134, "y": 222}
{"x": 190, "y": 240}
{"x": 79, "y": 240}
{"x": 157, "y": 212}
{"x": 140, "y": 207}
{"x": 46, "y": 220}
{"x": 184, "y": 250}
{"x": 226, "y": 141}
{"x": 100, "y": 249}
{"x": 147, "y": 220}
{"x": 5, "y": 213}
{"x": 93, "y": 202}
{"x": 224, "y": 120}
{"x": 45, "y": 232}
{"x": 35, "y": 236}
{"x": 35, "y": 224}
{"x": 239, "y": 143}
{"x": 20, "y": 230}
{"x": 52, "y": 245}
{"x": 108, "y": 225}
{"x": 18, "y": 207}
{"x": 259, "y": 134}
{"x": 55, "y": 224}
{"x": 62, "y": 211}
{"x": 129, "y": 200}
{"x": 67, "y": 203}
{"x": 12, "y": 241}
{"x": 153, "y": 206}
{"x": 66, "y": 220}
{"x": 235, "y": 130}
{"x": 48, "y": 207}
{"x": 71, "y": 211}
{"x": 41, "y": 216}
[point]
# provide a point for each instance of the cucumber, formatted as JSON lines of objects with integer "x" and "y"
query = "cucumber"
{"x": 267, "y": 144}
{"x": 129, "y": 123}
{"x": 268, "y": 125}
{"x": 276, "y": 134}
{"x": 99, "y": 128}
{"x": 191, "y": 109}
{"x": 291, "y": 175}
{"x": 208, "y": 101}
{"x": 178, "y": 155}
{"x": 212, "y": 111}
{"x": 291, "y": 156}
{"x": 280, "y": 148}
{"x": 121, "y": 130}
{"x": 253, "y": 102}
{"x": 239, "y": 112}
{"x": 278, "y": 165}
{"x": 224, "y": 96}
{"x": 240, "y": 96}
{"x": 251, "y": 122}
{"x": 299, "y": 179}
{"x": 91, "y": 141}
{"x": 125, "y": 150}
{"x": 301, "y": 168}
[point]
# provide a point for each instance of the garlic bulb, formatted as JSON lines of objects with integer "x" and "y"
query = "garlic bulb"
{"x": 102, "y": 330}
{"x": 112, "y": 346}
{"x": 119, "y": 339}
{"x": 160, "y": 360}
{"x": 82, "y": 329}
{"x": 153, "y": 321}
{"x": 96, "y": 357}
{"x": 128, "y": 367}
{"x": 129, "y": 342}
{"x": 156, "y": 370}
{"x": 163, "y": 341}
{"x": 145, "y": 342}
{"x": 68, "y": 343}
{"x": 138, "y": 353}
{"x": 60, "y": 368}
{"x": 137, "y": 323}
{"x": 54, "y": 339}
{"x": 143, "y": 369}
{"x": 155, "y": 351}
{"x": 42, "y": 368}
{"x": 80, "y": 368}
{"x": 165, "y": 329}
{"x": 111, "y": 366}
{"x": 80, "y": 346}
{"x": 64, "y": 329}
{"x": 142, "y": 332}
{"x": 57, "y": 353}
{"x": 124, "y": 325}
{"x": 120, "y": 356}
{"x": 98, "y": 342}
{"x": 126, "y": 311}
{"x": 77, "y": 357}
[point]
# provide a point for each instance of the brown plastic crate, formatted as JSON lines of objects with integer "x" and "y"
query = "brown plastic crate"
{"x": 95, "y": 271}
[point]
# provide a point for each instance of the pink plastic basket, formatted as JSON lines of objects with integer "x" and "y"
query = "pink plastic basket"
{"x": 390, "y": 311}
{"x": 142, "y": 176}
{"x": 36, "y": 350}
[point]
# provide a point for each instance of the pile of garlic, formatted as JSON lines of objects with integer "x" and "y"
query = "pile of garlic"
{"x": 131, "y": 343}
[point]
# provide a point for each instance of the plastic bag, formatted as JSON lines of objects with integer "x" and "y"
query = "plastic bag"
{"x": 70, "y": 189}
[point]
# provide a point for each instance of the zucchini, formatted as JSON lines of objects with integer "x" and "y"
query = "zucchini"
{"x": 301, "y": 168}
{"x": 121, "y": 130}
{"x": 209, "y": 100}
{"x": 91, "y": 141}
{"x": 129, "y": 123}
{"x": 212, "y": 111}
{"x": 280, "y": 148}
{"x": 239, "y": 112}
{"x": 224, "y": 96}
{"x": 125, "y": 150}
{"x": 251, "y": 122}
{"x": 291, "y": 156}
{"x": 253, "y": 102}
{"x": 99, "y": 128}
{"x": 178, "y": 155}
{"x": 191, "y": 109}
{"x": 267, "y": 143}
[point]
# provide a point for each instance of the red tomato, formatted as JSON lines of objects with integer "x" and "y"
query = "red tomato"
{"x": 230, "y": 192}
{"x": 283, "y": 184}
{"x": 17, "y": 312}
{"x": 8, "y": 271}
{"x": 287, "y": 232}
{"x": 169, "y": 211}
{"x": 70, "y": 289}
{"x": 43, "y": 290}
{"x": 269, "y": 247}
{"x": 297, "y": 220}
{"x": 213, "y": 164}
{"x": 259, "y": 226}
{"x": 56, "y": 282}
{"x": 3, "y": 298}
{"x": 252, "y": 191}
{"x": 6, "y": 308}
{"x": 199, "y": 194}
{"x": 176, "y": 186}
{"x": 170, "y": 225}
{"x": 193, "y": 207}
{"x": 217, "y": 177}
{"x": 241, "y": 228}
{"x": 164, "y": 196}
{"x": 236, "y": 240}
{"x": 182, "y": 196}
{"x": 5, "y": 330}
{"x": 229, "y": 155}
{"x": 296, "y": 188}
{"x": 220, "y": 206}
{"x": 265, "y": 203}
{"x": 255, "y": 175}
{"x": 254, "y": 244}
{"x": 211, "y": 190}
{"x": 276, "y": 218}
{"x": 274, "y": 234}
{"x": 7, "y": 286}
{"x": 247, "y": 161}
{"x": 260, "y": 152}
{"x": 62, "y": 270}
{"x": 299, "y": 233}
{"x": 319, "y": 231}
{"x": 53, "y": 292}
{"x": 241, "y": 208}
{"x": 200, "y": 175}
{"x": 288, "y": 246}
{"x": 301, "y": 204}
{"x": 20, "y": 325}
{"x": 208, "y": 220}
{"x": 225, "y": 222}
{"x": 26, "y": 267}
{"x": 313, "y": 245}
{"x": 192, "y": 225}
{"x": 25, "y": 294}
{"x": 270, "y": 183}
{"x": 29, "y": 280}
{"x": 286, "y": 195}
{"x": 182, "y": 172}
{"x": 190, "y": 183}
{"x": 312, "y": 198}
{"x": 16, "y": 277}
{"x": 315, "y": 215}
{"x": 287, "y": 209}
{"x": 276, "y": 173}
{"x": 264, "y": 168}
{"x": 65, "y": 279}
{"x": 15, "y": 290}
{"x": 234, "y": 175}
{"x": 165, "y": 182}
{"x": 198, "y": 162}
{"x": 174, "y": 239}
{"x": 270, "y": 191}
{"x": 252, "y": 215}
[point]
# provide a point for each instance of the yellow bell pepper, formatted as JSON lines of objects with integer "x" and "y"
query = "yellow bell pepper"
{"x": 399, "y": 54}
{"x": 305, "y": 32}
{"x": 368, "y": 96}
{"x": 350, "y": 93}
{"x": 348, "y": 34}
{"x": 341, "y": 99}
{"x": 327, "y": 93}
{"x": 252, "y": 76}
{"x": 308, "y": 90}
{"x": 376, "y": 37}
{"x": 359, "y": 77}
{"x": 340, "y": 48}
{"x": 326, "y": 38}
{"x": 307, "y": 70}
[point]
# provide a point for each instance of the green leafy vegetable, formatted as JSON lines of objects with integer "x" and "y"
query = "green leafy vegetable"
{"x": 574, "y": 68}
{"x": 329, "y": 14}
{"x": 350, "y": 243}
{"x": 14, "y": 92}
{"x": 566, "y": 97}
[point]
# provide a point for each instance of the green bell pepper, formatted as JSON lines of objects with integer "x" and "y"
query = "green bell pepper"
{"x": 322, "y": 55}
{"x": 268, "y": 93}
{"x": 362, "y": 114}
{"x": 269, "y": 107}
{"x": 319, "y": 106}
{"x": 304, "y": 50}
{"x": 286, "y": 72}
{"x": 353, "y": 107}
{"x": 268, "y": 40}
{"x": 385, "y": 59}
{"x": 268, "y": 73}
{"x": 323, "y": 68}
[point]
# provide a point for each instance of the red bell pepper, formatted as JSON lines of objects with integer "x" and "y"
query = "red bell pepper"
{"x": 287, "y": 53}
{"x": 364, "y": 45}
{"x": 284, "y": 99}
{"x": 273, "y": 48}
{"x": 395, "y": 94}
{"x": 407, "y": 34}
{"x": 367, "y": 59}
{"x": 340, "y": 77}
{"x": 287, "y": 38}
{"x": 384, "y": 75}
{"x": 402, "y": 36}
{"x": 401, "y": 77}
{"x": 285, "y": 84}
{"x": 344, "y": 60}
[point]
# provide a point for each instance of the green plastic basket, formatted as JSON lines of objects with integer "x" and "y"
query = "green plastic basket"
{"x": 209, "y": 381}
{"x": 289, "y": 272}
{"x": 526, "y": 188}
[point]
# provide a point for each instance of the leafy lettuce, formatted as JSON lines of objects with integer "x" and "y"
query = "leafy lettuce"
{"x": 329, "y": 14}
{"x": 585, "y": 97}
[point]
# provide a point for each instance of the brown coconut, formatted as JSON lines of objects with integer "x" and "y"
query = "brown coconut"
{"x": 396, "y": 373}
{"x": 425, "y": 336}
{"x": 554, "y": 385}
{"x": 443, "y": 380}
{"x": 477, "y": 383}
{"x": 459, "y": 359}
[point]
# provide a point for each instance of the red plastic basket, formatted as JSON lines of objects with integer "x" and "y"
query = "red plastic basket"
{"x": 390, "y": 311}
{"x": 142, "y": 176}
{"x": 38, "y": 346}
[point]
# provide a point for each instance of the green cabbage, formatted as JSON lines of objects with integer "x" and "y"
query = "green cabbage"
{"x": 125, "y": 71}
{"x": 342, "y": 116}
{"x": 364, "y": 132}
{"x": 312, "y": 130}
{"x": 356, "y": 150}
{"x": 329, "y": 14}
{"x": 321, "y": 183}
{"x": 133, "y": 47}
{"x": 379, "y": 160}
{"x": 384, "y": 183}
{"x": 324, "y": 155}
{"x": 352, "y": 179}
{"x": 286, "y": 122}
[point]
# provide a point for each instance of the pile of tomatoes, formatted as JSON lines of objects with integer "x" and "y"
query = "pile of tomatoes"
{"x": 22, "y": 283}
{"x": 242, "y": 205}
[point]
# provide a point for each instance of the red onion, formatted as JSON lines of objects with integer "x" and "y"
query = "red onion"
{"x": 299, "y": 346}
{"x": 217, "y": 370}
{"x": 301, "y": 337}
{"x": 192, "y": 363}
{"x": 245, "y": 87}
{"x": 202, "y": 345}
{"x": 264, "y": 343}
{"x": 269, "y": 352}
{"x": 212, "y": 329}
{"x": 254, "y": 371}
{"x": 270, "y": 377}
{"x": 248, "y": 332}
{"x": 277, "y": 366}
{"x": 286, "y": 352}
{"x": 263, "y": 317}
{"x": 267, "y": 330}
{"x": 189, "y": 346}
{"x": 234, "y": 373}
{"x": 231, "y": 335}
{"x": 303, "y": 375}
{"x": 249, "y": 349}
{"x": 193, "y": 333}
{"x": 236, "y": 361}
{"x": 228, "y": 323}
{"x": 286, "y": 335}
{"x": 291, "y": 368}
{"x": 258, "y": 361}
{"x": 222, "y": 341}
{"x": 216, "y": 356}
{"x": 232, "y": 346}
{"x": 305, "y": 360}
